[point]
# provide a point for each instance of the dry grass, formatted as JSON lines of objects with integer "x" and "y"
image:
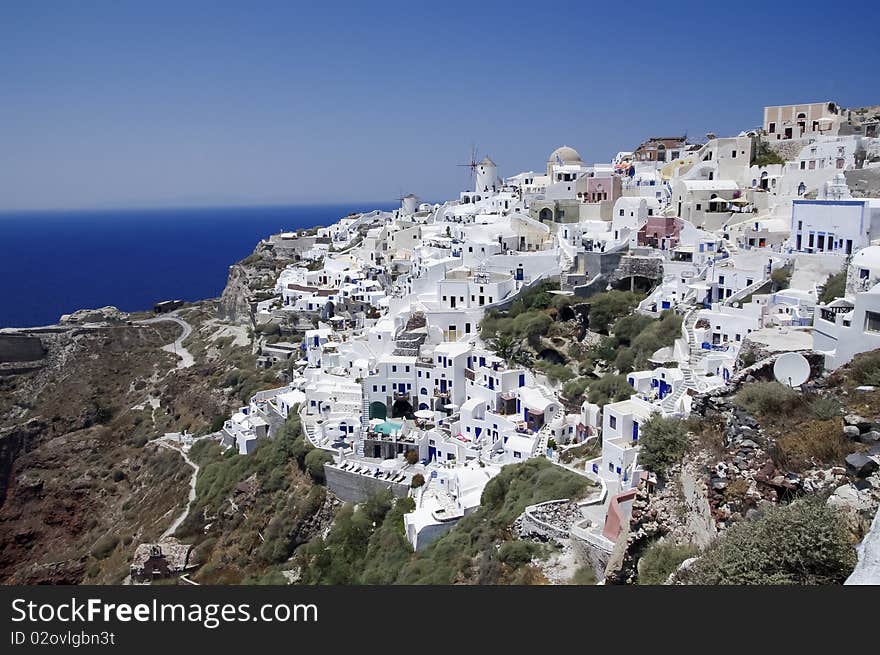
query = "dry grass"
{"x": 814, "y": 442}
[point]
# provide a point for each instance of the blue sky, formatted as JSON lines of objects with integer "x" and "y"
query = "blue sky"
{"x": 132, "y": 104}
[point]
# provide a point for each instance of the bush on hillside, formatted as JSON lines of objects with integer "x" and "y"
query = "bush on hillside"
{"x": 803, "y": 543}
{"x": 662, "y": 559}
{"x": 314, "y": 462}
{"x": 574, "y": 389}
{"x": 825, "y": 408}
{"x": 663, "y": 443}
{"x": 767, "y": 398}
{"x": 610, "y": 388}
{"x": 554, "y": 372}
{"x": 866, "y": 368}
{"x": 607, "y": 307}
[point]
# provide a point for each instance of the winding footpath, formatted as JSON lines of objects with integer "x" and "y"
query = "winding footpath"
{"x": 192, "y": 489}
{"x": 176, "y": 347}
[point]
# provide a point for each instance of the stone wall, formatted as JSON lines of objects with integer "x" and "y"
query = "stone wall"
{"x": 356, "y": 488}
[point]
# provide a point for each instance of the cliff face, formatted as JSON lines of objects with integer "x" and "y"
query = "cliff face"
{"x": 235, "y": 301}
{"x": 251, "y": 280}
{"x": 78, "y": 481}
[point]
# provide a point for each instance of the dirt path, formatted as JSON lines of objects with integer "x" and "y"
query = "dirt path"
{"x": 192, "y": 490}
{"x": 176, "y": 347}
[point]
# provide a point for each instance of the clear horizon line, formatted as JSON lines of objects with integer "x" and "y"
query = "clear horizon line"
{"x": 111, "y": 208}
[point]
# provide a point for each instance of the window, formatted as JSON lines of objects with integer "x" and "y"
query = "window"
{"x": 733, "y": 155}
{"x": 772, "y": 129}
{"x": 612, "y": 422}
{"x": 621, "y": 212}
{"x": 840, "y": 163}
{"x": 872, "y": 322}
{"x": 699, "y": 206}
{"x": 803, "y": 165}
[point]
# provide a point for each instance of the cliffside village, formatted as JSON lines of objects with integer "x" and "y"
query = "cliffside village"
{"x": 394, "y": 379}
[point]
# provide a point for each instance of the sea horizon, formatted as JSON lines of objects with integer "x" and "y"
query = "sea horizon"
{"x": 57, "y": 261}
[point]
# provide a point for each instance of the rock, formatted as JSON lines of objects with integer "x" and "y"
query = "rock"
{"x": 851, "y": 431}
{"x": 748, "y": 443}
{"x": 860, "y": 422}
{"x": 861, "y": 465}
{"x": 108, "y": 314}
{"x": 869, "y": 437}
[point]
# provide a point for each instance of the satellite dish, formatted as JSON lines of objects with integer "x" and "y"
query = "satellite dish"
{"x": 791, "y": 369}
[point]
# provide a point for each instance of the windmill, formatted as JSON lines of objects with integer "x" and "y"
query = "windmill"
{"x": 472, "y": 165}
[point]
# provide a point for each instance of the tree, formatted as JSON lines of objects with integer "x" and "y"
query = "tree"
{"x": 417, "y": 481}
{"x": 510, "y": 350}
{"x": 663, "y": 443}
{"x": 315, "y": 461}
{"x": 781, "y": 278}
{"x": 834, "y": 287}
{"x": 607, "y": 307}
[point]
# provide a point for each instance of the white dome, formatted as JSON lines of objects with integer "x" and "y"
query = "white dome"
{"x": 867, "y": 258}
{"x": 567, "y": 154}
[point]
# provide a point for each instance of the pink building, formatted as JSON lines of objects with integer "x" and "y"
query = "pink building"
{"x": 660, "y": 232}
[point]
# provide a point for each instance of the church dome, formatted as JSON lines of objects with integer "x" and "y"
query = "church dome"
{"x": 566, "y": 154}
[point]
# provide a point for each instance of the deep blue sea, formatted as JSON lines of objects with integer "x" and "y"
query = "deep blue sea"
{"x": 53, "y": 263}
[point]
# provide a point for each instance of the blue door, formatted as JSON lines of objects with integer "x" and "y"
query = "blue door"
{"x": 635, "y": 431}
{"x": 432, "y": 453}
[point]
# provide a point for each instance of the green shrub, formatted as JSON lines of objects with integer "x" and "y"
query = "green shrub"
{"x": 767, "y": 398}
{"x": 610, "y": 388}
{"x": 661, "y": 559}
{"x": 217, "y": 423}
{"x": 866, "y": 368}
{"x": 418, "y": 480}
{"x": 764, "y": 155}
{"x": 607, "y": 307}
{"x": 517, "y": 552}
{"x": 585, "y": 575}
{"x": 834, "y": 287}
{"x": 804, "y": 543}
{"x": 555, "y": 372}
{"x": 781, "y": 277}
{"x": 104, "y": 546}
{"x": 663, "y": 443}
{"x": 825, "y": 408}
{"x": 314, "y": 463}
{"x": 574, "y": 389}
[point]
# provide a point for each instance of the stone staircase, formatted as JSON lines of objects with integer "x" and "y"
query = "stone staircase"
{"x": 695, "y": 355}
{"x": 365, "y": 408}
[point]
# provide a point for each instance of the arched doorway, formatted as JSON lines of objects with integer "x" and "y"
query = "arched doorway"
{"x": 378, "y": 410}
{"x": 545, "y": 215}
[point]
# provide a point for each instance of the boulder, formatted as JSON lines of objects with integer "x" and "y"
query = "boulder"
{"x": 861, "y": 465}
{"x": 860, "y": 422}
{"x": 869, "y": 437}
{"x": 851, "y": 431}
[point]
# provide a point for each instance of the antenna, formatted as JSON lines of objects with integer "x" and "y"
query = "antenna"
{"x": 791, "y": 369}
